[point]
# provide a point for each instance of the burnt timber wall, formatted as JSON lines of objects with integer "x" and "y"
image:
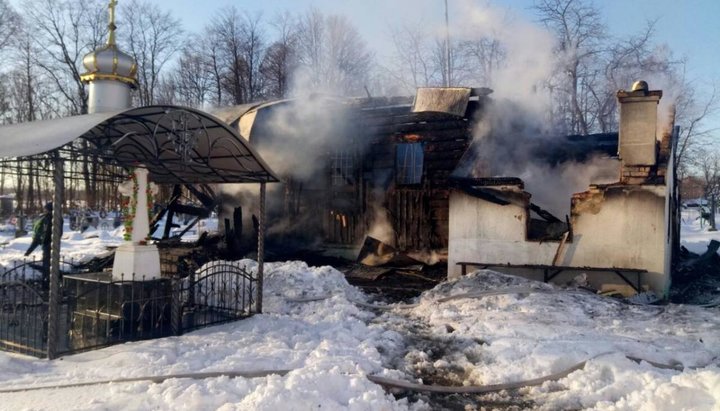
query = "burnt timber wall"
{"x": 316, "y": 208}
{"x": 419, "y": 214}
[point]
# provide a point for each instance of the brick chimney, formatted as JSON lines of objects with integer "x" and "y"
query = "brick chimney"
{"x": 637, "y": 144}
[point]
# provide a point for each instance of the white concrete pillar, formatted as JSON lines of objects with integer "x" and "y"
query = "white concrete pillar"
{"x": 136, "y": 260}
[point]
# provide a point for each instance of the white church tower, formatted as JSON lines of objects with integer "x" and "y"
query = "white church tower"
{"x": 110, "y": 75}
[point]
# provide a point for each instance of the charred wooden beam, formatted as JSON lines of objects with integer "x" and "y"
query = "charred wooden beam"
{"x": 189, "y": 226}
{"x": 208, "y": 200}
{"x": 492, "y": 181}
{"x": 177, "y": 192}
{"x": 202, "y": 212}
{"x": 544, "y": 214}
{"x": 392, "y": 128}
{"x": 437, "y": 136}
{"x": 438, "y": 165}
{"x": 444, "y": 155}
{"x": 446, "y": 146}
{"x": 486, "y": 195}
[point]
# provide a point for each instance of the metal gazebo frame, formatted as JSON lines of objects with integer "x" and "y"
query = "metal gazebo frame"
{"x": 178, "y": 145}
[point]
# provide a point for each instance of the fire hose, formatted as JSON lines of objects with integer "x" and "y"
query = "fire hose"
{"x": 380, "y": 380}
{"x": 478, "y": 294}
{"x": 156, "y": 379}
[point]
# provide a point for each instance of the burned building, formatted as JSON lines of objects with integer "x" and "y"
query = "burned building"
{"x": 620, "y": 235}
{"x": 363, "y": 166}
{"x": 414, "y": 174}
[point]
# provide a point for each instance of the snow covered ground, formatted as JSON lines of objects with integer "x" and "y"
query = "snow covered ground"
{"x": 630, "y": 357}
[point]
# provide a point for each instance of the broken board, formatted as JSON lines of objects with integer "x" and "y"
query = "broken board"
{"x": 362, "y": 272}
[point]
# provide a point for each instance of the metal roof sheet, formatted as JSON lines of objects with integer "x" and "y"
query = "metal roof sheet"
{"x": 176, "y": 144}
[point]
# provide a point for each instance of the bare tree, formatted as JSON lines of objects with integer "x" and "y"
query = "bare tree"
{"x": 482, "y": 57}
{"x": 311, "y": 36}
{"x": 281, "y": 57}
{"x": 414, "y": 62}
{"x": 168, "y": 92}
{"x": 65, "y": 31}
{"x": 5, "y": 114}
{"x": 707, "y": 165}
{"x": 593, "y": 66}
{"x": 624, "y": 61}
{"x": 237, "y": 52}
{"x": 153, "y": 37}
{"x": 9, "y": 24}
{"x": 23, "y": 82}
{"x": 420, "y": 58}
{"x": 444, "y": 56}
{"x": 191, "y": 82}
{"x": 580, "y": 34}
{"x": 213, "y": 62}
{"x": 229, "y": 61}
{"x": 28, "y": 101}
{"x": 253, "y": 50}
{"x": 691, "y": 114}
{"x": 331, "y": 54}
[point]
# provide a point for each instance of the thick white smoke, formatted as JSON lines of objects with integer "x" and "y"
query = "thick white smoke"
{"x": 529, "y": 52}
{"x": 306, "y": 130}
{"x": 519, "y": 120}
{"x": 294, "y": 136}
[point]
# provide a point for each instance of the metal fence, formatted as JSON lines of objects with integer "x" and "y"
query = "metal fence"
{"x": 106, "y": 311}
{"x": 220, "y": 292}
{"x": 96, "y": 310}
{"x": 23, "y": 319}
{"x": 24, "y": 307}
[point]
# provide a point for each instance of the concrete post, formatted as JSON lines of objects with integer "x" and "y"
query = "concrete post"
{"x": 135, "y": 257}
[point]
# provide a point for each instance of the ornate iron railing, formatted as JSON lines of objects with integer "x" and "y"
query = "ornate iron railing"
{"x": 219, "y": 292}
{"x": 24, "y": 307}
{"x": 95, "y": 310}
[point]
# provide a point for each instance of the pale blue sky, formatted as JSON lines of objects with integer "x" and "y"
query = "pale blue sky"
{"x": 689, "y": 27}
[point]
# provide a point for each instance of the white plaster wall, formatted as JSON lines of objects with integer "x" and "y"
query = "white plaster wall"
{"x": 627, "y": 229}
{"x": 481, "y": 231}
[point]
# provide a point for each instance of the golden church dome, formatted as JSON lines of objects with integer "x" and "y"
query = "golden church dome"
{"x": 108, "y": 62}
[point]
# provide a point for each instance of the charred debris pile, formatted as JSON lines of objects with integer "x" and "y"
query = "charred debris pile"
{"x": 696, "y": 278}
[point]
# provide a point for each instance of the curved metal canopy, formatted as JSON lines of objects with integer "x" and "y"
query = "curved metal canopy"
{"x": 177, "y": 145}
